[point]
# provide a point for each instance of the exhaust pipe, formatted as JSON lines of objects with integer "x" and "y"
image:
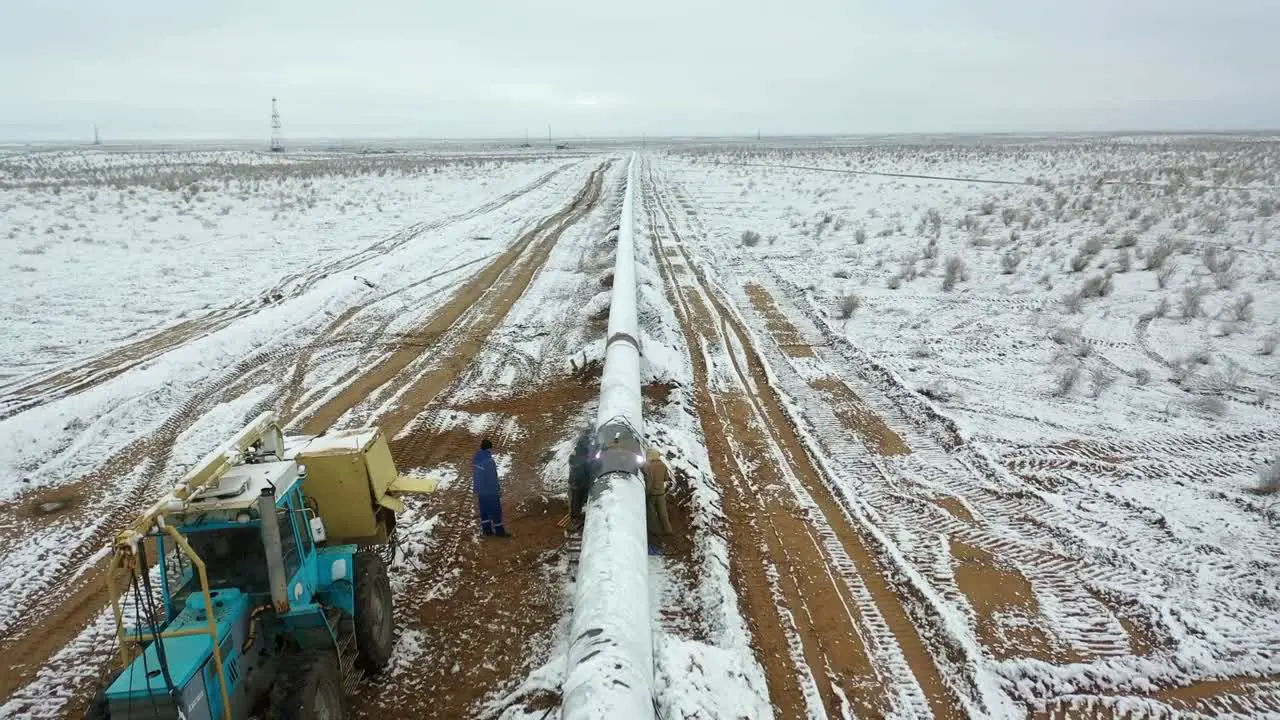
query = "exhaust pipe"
{"x": 274, "y": 550}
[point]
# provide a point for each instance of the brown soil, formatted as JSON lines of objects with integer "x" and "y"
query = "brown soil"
{"x": 1245, "y": 695}
{"x": 1143, "y": 638}
{"x": 54, "y": 622}
{"x": 481, "y": 603}
{"x": 860, "y": 419}
{"x": 956, "y": 508}
{"x": 1005, "y": 605}
{"x": 791, "y": 340}
{"x": 479, "y": 307}
{"x": 852, "y": 412}
{"x": 768, "y": 532}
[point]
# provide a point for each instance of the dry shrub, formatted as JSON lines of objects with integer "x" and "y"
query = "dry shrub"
{"x": 849, "y": 304}
{"x": 1066, "y": 380}
{"x": 1192, "y": 305}
{"x": 1163, "y": 250}
{"x": 1242, "y": 308}
{"x": 1209, "y": 405}
{"x": 1099, "y": 380}
{"x": 1097, "y": 286}
{"x": 1269, "y": 344}
{"x": 955, "y": 271}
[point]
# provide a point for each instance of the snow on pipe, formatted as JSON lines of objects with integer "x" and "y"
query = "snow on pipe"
{"x": 610, "y": 671}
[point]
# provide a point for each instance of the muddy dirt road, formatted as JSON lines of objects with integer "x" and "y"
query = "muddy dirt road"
{"x": 445, "y": 342}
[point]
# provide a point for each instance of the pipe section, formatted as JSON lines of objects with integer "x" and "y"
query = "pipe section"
{"x": 610, "y": 671}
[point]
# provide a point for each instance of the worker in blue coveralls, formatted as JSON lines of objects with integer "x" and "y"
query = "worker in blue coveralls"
{"x": 582, "y": 465}
{"x": 484, "y": 481}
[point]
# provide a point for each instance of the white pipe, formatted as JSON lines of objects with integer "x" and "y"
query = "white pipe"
{"x": 610, "y": 671}
{"x": 620, "y": 382}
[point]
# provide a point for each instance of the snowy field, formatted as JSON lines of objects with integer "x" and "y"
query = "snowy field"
{"x": 1071, "y": 351}
{"x": 106, "y": 246}
{"x": 958, "y": 427}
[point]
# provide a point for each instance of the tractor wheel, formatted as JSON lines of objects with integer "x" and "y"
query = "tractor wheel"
{"x": 375, "y": 626}
{"x": 98, "y": 708}
{"x": 308, "y": 687}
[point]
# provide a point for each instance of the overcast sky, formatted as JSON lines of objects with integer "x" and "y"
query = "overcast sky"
{"x": 492, "y": 68}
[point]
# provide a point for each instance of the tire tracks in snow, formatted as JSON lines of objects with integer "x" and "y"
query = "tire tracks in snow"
{"x": 109, "y": 496}
{"x": 835, "y": 637}
{"x": 29, "y": 393}
{"x": 463, "y": 326}
{"x": 1087, "y": 594}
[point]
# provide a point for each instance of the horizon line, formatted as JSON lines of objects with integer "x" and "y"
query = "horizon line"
{"x": 535, "y": 142}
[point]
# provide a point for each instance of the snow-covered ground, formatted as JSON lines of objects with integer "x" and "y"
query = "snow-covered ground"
{"x": 1031, "y": 382}
{"x": 136, "y": 415}
{"x": 386, "y": 281}
{"x": 1076, "y": 341}
{"x": 105, "y": 247}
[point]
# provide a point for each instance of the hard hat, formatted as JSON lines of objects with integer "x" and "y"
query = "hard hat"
{"x": 653, "y": 454}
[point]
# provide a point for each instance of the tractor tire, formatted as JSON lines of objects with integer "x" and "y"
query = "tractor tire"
{"x": 374, "y": 622}
{"x": 308, "y": 687}
{"x": 98, "y": 708}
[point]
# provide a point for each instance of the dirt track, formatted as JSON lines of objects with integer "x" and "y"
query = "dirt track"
{"x": 820, "y": 606}
{"x": 54, "y": 619}
{"x": 836, "y": 627}
{"x": 110, "y": 364}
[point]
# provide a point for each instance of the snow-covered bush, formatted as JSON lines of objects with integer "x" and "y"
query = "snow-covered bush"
{"x": 1065, "y": 336}
{"x": 1192, "y": 305}
{"x": 1165, "y": 275}
{"x": 1242, "y": 308}
{"x": 1163, "y": 250}
{"x": 751, "y": 238}
{"x": 1226, "y": 279}
{"x": 860, "y": 235}
{"x": 1100, "y": 379}
{"x": 1209, "y": 405}
{"x": 1269, "y": 344}
{"x": 1213, "y": 223}
{"x": 1099, "y": 285}
{"x": 1066, "y": 380}
{"x": 1217, "y": 262}
{"x": 1161, "y": 309}
{"x": 1142, "y": 376}
{"x": 955, "y": 271}
{"x": 849, "y": 304}
{"x": 1009, "y": 262}
{"x": 1269, "y": 474}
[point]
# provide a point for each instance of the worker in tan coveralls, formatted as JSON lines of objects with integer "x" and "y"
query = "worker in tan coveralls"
{"x": 655, "y": 473}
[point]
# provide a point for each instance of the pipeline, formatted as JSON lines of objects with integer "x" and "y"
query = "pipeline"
{"x": 610, "y": 672}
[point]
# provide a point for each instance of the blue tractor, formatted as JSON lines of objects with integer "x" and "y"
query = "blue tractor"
{"x": 233, "y": 599}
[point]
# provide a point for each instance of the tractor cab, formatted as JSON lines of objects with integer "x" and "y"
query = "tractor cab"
{"x": 250, "y": 605}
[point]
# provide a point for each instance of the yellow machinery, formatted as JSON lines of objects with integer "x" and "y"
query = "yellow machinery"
{"x": 272, "y": 563}
{"x": 352, "y": 480}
